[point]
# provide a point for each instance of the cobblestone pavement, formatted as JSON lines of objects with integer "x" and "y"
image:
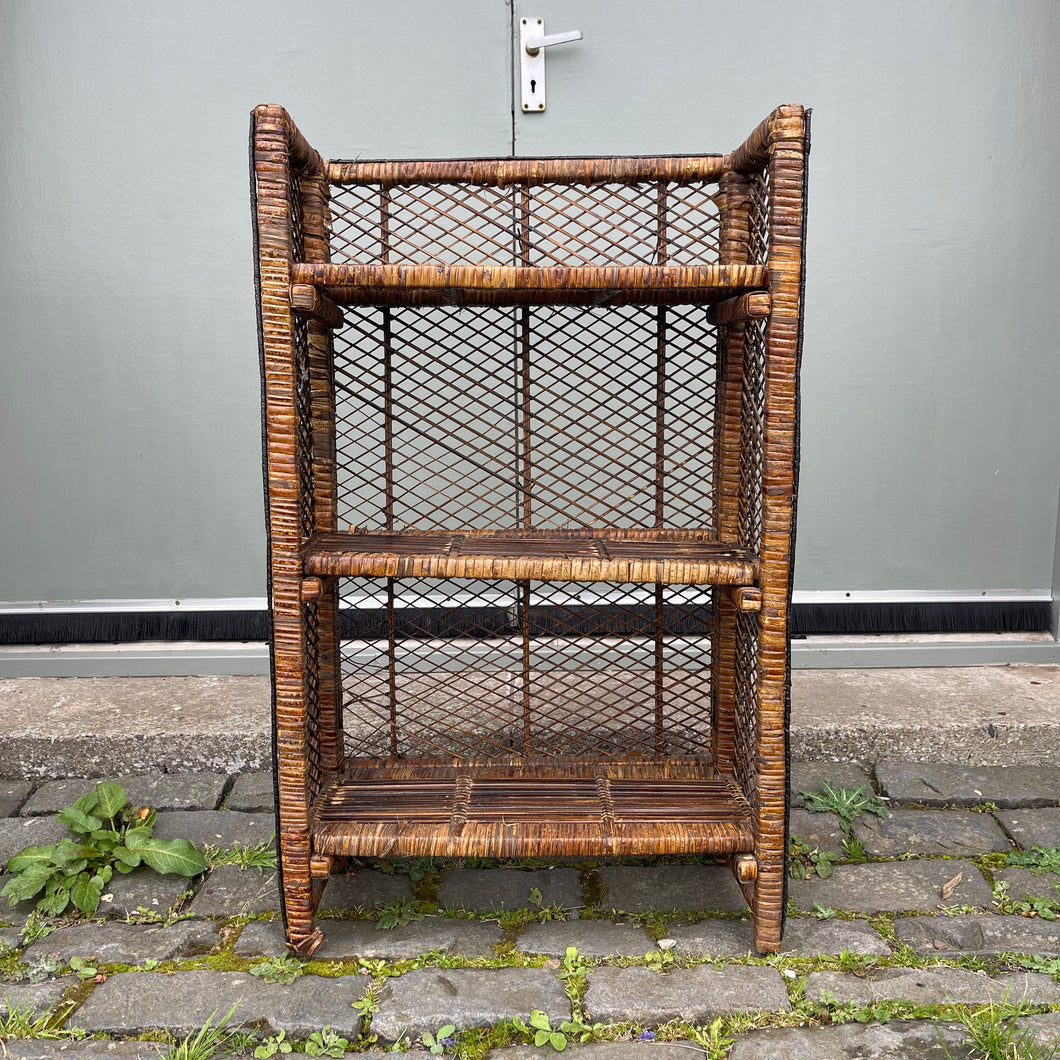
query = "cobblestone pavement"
{"x": 921, "y": 920}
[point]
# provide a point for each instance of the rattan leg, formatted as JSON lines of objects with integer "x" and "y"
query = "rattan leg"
{"x": 768, "y": 906}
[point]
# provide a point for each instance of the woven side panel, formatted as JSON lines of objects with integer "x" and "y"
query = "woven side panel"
{"x": 735, "y": 197}
{"x": 288, "y": 445}
{"x": 752, "y": 434}
{"x": 786, "y": 193}
{"x": 745, "y": 720}
{"x": 758, "y": 219}
{"x": 303, "y": 410}
{"x": 315, "y": 773}
{"x": 321, "y": 399}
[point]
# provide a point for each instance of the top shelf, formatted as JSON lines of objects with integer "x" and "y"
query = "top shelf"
{"x": 354, "y": 284}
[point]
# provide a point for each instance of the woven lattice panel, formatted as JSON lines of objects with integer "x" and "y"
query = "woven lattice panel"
{"x": 521, "y": 419}
{"x": 745, "y": 744}
{"x": 495, "y": 668}
{"x": 761, "y": 204}
{"x": 314, "y": 769}
{"x": 649, "y": 223}
{"x": 752, "y": 434}
{"x": 304, "y": 427}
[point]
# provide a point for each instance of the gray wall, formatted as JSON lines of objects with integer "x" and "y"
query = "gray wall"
{"x": 130, "y": 434}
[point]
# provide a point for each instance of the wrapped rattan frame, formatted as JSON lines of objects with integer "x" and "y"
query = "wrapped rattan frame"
{"x": 755, "y": 284}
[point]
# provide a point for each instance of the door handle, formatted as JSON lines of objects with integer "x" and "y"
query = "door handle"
{"x": 532, "y": 44}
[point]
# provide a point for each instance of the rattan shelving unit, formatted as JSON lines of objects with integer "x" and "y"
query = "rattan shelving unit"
{"x": 530, "y": 433}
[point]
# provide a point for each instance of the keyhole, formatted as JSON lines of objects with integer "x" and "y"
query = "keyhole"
{"x": 533, "y": 87}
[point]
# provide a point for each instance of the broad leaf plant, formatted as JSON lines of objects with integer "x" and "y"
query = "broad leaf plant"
{"x": 106, "y": 834}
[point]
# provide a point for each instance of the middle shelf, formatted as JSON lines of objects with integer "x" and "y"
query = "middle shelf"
{"x": 659, "y": 557}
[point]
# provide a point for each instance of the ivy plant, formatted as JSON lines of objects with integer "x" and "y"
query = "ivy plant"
{"x": 106, "y": 834}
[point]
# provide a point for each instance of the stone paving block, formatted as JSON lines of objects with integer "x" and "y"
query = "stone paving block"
{"x": 425, "y": 1000}
{"x": 65, "y": 1049}
{"x": 135, "y": 1002}
{"x": 1022, "y": 883}
{"x": 252, "y": 793}
{"x": 344, "y": 939}
{"x": 1046, "y": 1027}
{"x": 163, "y": 791}
{"x": 808, "y": 776}
{"x": 824, "y": 937}
{"x": 981, "y": 934}
{"x": 126, "y": 943}
{"x": 484, "y": 890}
{"x": 810, "y": 938}
{"x": 604, "y": 1051}
{"x": 689, "y": 888}
{"x": 819, "y": 831}
{"x": 364, "y": 890}
{"x": 954, "y": 832}
{"x": 695, "y": 994}
{"x": 13, "y": 793}
{"x": 1030, "y": 827}
{"x": 19, "y": 832}
{"x": 593, "y": 938}
{"x": 939, "y": 784}
{"x": 898, "y": 1040}
{"x": 216, "y": 828}
{"x": 40, "y": 997}
{"x": 899, "y": 886}
{"x": 229, "y": 890}
{"x": 143, "y": 888}
{"x": 714, "y": 938}
{"x": 931, "y": 986}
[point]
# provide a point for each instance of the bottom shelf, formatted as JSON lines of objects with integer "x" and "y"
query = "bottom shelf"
{"x": 531, "y": 807}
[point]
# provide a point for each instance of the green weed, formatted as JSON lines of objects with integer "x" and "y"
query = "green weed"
{"x": 211, "y": 1039}
{"x": 804, "y": 861}
{"x": 106, "y": 834}
{"x": 283, "y": 970}
{"x": 20, "y": 1021}
{"x": 275, "y": 1043}
{"x": 846, "y": 803}
{"x": 1046, "y": 908}
{"x": 1039, "y": 859}
{"x": 993, "y": 1032}
{"x": 441, "y": 1040}
{"x": 398, "y": 914}
{"x": 325, "y": 1042}
{"x": 260, "y": 856}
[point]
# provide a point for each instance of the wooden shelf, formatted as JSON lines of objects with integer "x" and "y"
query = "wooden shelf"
{"x": 644, "y": 558}
{"x": 356, "y": 284}
{"x": 522, "y": 806}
